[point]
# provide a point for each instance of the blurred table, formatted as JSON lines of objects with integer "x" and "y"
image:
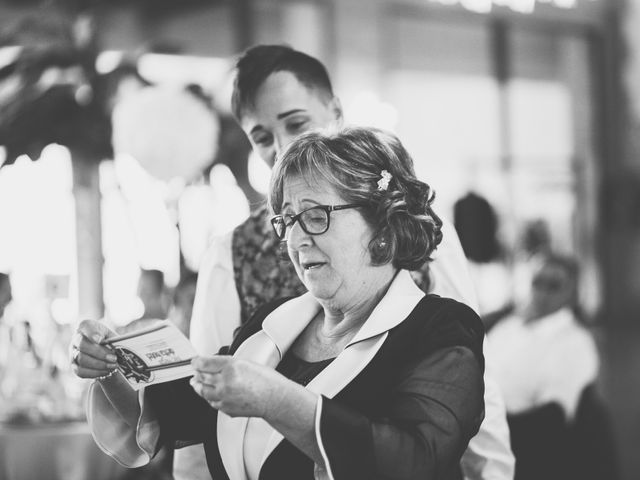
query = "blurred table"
{"x": 64, "y": 451}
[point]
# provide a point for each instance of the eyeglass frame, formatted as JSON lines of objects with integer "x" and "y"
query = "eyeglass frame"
{"x": 327, "y": 209}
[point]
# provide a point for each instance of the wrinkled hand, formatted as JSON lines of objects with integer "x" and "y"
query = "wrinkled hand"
{"x": 89, "y": 359}
{"x": 237, "y": 387}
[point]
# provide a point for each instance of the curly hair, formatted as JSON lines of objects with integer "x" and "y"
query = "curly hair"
{"x": 405, "y": 228}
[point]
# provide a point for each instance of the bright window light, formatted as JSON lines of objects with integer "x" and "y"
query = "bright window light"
{"x": 259, "y": 173}
{"x": 367, "y": 109}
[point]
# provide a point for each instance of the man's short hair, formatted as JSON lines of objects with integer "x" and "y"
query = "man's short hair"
{"x": 258, "y": 62}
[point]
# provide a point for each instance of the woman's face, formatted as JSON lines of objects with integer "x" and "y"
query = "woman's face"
{"x": 334, "y": 266}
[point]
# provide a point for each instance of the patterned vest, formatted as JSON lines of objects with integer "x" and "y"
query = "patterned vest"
{"x": 261, "y": 266}
{"x": 263, "y": 271}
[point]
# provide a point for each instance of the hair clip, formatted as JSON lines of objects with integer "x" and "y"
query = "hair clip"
{"x": 385, "y": 178}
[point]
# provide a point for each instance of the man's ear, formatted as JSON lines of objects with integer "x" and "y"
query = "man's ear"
{"x": 336, "y": 108}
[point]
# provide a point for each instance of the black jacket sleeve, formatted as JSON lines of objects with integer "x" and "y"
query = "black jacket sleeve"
{"x": 435, "y": 409}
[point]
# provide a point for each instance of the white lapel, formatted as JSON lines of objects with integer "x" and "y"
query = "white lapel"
{"x": 231, "y": 431}
{"x": 267, "y": 348}
{"x": 401, "y": 298}
{"x": 279, "y": 332}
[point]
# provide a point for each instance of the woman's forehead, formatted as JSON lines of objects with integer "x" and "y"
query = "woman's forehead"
{"x": 297, "y": 188}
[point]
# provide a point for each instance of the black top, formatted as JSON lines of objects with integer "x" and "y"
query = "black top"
{"x": 408, "y": 414}
{"x": 299, "y": 370}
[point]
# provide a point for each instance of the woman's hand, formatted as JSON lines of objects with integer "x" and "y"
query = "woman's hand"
{"x": 237, "y": 387}
{"x": 89, "y": 359}
{"x": 241, "y": 388}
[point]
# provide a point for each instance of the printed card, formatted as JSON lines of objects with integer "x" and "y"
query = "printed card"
{"x": 157, "y": 354}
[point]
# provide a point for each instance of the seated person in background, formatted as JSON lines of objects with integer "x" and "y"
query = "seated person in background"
{"x": 152, "y": 291}
{"x": 280, "y": 93}
{"x": 544, "y": 360}
{"x": 6, "y": 294}
{"x": 363, "y": 377}
{"x": 153, "y": 294}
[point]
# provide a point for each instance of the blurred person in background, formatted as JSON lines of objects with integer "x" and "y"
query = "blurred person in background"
{"x": 183, "y": 297}
{"x": 154, "y": 301}
{"x": 6, "y": 293}
{"x": 534, "y": 239}
{"x": 477, "y": 226}
{"x": 363, "y": 377}
{"x": 280, "y": 93}
{"x": 152, "y": 291}
{"x": 6, "y": 296}
{"x": 546, "y": 364}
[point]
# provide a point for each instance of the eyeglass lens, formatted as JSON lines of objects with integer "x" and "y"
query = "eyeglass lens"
{"x": 313, "y": 221}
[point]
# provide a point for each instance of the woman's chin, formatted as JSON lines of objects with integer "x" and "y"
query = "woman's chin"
{"x": 320, "y": 290}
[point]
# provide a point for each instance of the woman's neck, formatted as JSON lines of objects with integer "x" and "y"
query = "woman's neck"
{"x": 346, "y": 320}
{"x": 335, "y": 324}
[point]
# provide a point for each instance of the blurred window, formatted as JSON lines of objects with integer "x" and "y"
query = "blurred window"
{"x": 524, "y": 142}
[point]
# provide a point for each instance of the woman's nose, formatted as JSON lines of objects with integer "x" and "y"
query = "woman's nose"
{"x": 296, "y": 237}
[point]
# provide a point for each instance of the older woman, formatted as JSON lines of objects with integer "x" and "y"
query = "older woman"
{"x": 363, "y": 377}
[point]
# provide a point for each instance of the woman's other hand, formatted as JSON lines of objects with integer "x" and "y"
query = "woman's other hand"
{"x": 241, "y": 388}
{"x": 237, "y": 387}
{"x": 89, "y": 359}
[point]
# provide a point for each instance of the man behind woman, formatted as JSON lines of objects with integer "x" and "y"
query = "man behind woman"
{"x": 362, "y": 377}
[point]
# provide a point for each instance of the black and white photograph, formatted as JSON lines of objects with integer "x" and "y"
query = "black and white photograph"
{"x": 319, "y": 239}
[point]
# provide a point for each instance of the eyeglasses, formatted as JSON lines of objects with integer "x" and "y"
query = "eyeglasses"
{"x": 314, "y": 220}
